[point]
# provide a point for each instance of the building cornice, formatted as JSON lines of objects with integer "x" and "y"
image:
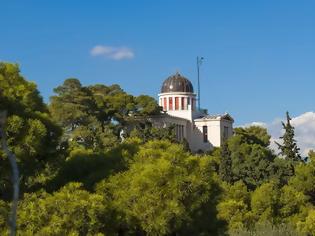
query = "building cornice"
{"x": 226, "y": 117}
{"x": 177, "y": 93}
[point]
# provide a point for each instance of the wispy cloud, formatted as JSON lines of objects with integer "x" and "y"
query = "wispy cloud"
{"x": 304, "y": 131}
{"x": 114, "y": 53}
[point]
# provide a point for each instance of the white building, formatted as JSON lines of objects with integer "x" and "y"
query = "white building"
{"x": 202, "y": 131}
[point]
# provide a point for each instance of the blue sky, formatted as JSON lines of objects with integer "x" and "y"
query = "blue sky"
{"x": 259, "y": 55}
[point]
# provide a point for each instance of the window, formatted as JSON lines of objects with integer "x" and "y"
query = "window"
{"x": 179, "y": 130}
{"x": 176, "y": 103}
{"x": 182, "y": 128}
{"x": 179, "y": 133}
{"x": 183, "y": 104}
{"x": 170, "y": 103}
{"x": 188, "y": 103}
{"x": 165, "y": 104}
{"x": 225, "y": 132}
{"x": 192, "y": 104}
{"x": 205, "y": 133}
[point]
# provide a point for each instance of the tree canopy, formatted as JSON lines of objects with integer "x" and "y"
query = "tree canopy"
{"x": 31, "y": 133}
{"x": 79, "y": 176}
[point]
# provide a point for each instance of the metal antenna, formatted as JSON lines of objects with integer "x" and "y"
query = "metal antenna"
{"x": 199, "y": 62}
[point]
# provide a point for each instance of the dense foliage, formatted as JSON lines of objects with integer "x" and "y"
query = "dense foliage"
{"x": 32, "y": 135}
{"x": 81, "y": 175}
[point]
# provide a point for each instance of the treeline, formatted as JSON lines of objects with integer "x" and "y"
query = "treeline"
{"x": 81, "y": 175}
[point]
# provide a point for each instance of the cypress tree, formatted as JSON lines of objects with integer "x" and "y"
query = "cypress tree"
{"x": 225, "y": 170}
{"x": 289, "y": 148}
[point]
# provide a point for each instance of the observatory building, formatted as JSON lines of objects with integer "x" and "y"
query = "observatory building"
{"x": 201, "y": 130}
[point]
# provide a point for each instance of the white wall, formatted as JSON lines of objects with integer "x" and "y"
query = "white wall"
{"x": 215, "y": 132}
{"x": 193, "y": 131}
{"x": 193, "y": 128}
{"x": 214, "y": 135}
{"x": 188, "y": 113}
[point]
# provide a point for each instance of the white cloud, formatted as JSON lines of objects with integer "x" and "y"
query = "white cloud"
{"x": 114, "y": 53}
{"x": 255, "y": 123}
{"x": 304, "y": 131}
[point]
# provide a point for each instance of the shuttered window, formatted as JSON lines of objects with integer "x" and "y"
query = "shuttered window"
{"x": 170, "y": 103}
{"x": 176, "y": 103}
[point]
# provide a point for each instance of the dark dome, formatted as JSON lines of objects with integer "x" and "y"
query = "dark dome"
{"x": 177, "y": 83}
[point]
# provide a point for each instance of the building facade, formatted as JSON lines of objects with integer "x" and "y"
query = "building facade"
{"x": 202, "y": 131}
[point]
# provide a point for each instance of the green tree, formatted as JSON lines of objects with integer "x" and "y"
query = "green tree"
{"x": 289, "y": 148}
{"x": 70, "y": 211}
{"x": 146, "y": 131}
{"x": 265, "y": 202}
{"x": 93, "y": 136}
{"x": 291, "y": 203}
{"x": 254, "y": 135}
{"x": 267, "y": 228}
{"x": 304, "y": 180}
{"x": 234, "y": 207}
{"x": 225, "y": 170}
{"x": 113, "y": 103}
{"x": 281, "y": 171}
{"x": 162, "y": 188}
{"x": 4, "y": 215}
{"x": 89, "y": 167}
{"x": 251, "y": 162}
{"x": 79, "y": 112}
{"x": 308, "y": 226}
{"x": 73, "y": 105}
{"x": 146, "y": 105}
{"x": 93, "y": 116}
{"x": 31, "y": 134}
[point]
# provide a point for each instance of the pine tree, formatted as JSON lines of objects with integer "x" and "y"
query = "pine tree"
{"x": 289, "y": 148}
{"x": 225, "y": 170}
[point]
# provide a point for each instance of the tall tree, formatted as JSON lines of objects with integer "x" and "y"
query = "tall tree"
{"x": 254, "y": 135}
{"x": 31, "y": 134}
{"x": 92, "y": 116}
{"x": 289, "y": 148}
{"x": 225, "y": 170}
{"x": 75, "y": 108}
{"x": 252, "y": 160}
{"x": 73, "y": 104}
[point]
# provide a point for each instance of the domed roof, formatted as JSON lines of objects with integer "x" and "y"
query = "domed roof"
{"x": 177, "y": 83}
